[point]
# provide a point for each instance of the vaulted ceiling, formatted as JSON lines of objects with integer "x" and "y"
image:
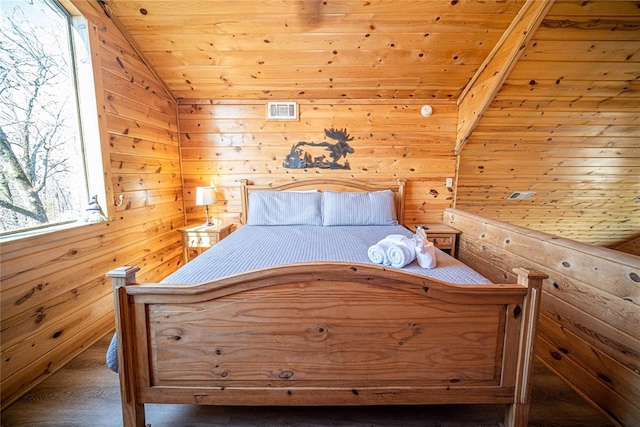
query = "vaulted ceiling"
{"x": 292, "y": 49}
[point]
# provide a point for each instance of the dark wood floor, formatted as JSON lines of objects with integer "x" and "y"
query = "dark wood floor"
{"x": 85, "y": 393}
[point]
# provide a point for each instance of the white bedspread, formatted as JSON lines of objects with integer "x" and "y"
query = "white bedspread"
{"x": 254, "y": 247}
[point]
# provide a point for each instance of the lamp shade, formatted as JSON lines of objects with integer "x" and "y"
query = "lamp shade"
{"x": 205, "y": 195}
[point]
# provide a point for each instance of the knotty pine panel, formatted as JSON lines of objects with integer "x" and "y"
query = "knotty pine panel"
{"x": 59, "y": 281}
{"x": 55, "y": 298}
{"x": 120, "y": 125}
{"x": 631, "y": 246}
{"x": 116, "y": 104}
{"x": 289, "y": 49}
{"x": 294, "y": 90}
{"x": 122, "y": 144}
{"x": 590, "y": 306}
{"x": 434, "y": 22}
{"x": 609, "y": 400}
{"x": 45, "y": 339}
{"x": 196, "y": 60}
{"x": 115, "y": 84}
{"x": 41, "y": 368}
{"x": 199, "y": 8}
{"x": 567, "y": 345}
{"x": 617, "y": 309}
{"x": 121, "y": 68}
{"x": 566, "y": 125}
{"x": 594, "y": 10}
{"x": 310, "y": 41}
{"x": 582, "y": 70}
{"x": 227, "y": 141}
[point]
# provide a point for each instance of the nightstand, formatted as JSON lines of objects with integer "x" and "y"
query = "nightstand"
{"x": 198, "y": 238}
{"x": 443, "y": 237}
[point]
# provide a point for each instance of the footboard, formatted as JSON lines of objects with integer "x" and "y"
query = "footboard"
{"x": 325, "y": 334}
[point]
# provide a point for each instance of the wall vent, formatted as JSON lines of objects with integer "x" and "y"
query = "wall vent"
{"x": 282, "y": 111}
{"x": 521, "y": 195}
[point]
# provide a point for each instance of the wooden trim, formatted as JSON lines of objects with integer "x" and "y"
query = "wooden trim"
{"x": 485, "y": 84}
{"x": 96, "y": 63}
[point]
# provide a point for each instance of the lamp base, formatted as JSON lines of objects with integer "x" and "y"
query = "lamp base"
{"x": 208, "y": 221}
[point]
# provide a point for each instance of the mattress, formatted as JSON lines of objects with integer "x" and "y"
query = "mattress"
{"x": 255, "y": 247}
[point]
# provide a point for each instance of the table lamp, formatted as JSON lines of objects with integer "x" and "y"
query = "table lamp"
{"x": 206, "y": 196}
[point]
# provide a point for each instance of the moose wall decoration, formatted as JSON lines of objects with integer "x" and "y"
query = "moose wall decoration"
{"x": 300, "y": 158}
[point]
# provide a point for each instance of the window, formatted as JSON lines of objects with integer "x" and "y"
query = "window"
{"x": 43, "y": 179}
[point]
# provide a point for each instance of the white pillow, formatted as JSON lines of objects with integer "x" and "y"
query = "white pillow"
{"x": 356, "y": 208}
{"x": 285, "y": 208}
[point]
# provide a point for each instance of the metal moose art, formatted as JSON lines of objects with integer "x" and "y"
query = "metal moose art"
{"x": 300, "y": 159}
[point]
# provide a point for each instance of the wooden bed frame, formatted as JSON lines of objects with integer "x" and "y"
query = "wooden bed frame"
{"x": 326, "y": 334}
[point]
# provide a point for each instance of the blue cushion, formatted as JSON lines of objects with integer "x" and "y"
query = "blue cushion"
{"x": 356, "y": 208}
{"x": 285, "y": 208}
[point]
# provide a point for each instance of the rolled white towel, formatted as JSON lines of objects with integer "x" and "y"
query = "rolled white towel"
{"x": 426, "y": 255}
{"x": 401, "y": 252}
{"x": 378, "y": 253}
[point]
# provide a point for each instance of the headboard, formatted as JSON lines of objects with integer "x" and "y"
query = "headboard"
{"x": 327, "y": 184}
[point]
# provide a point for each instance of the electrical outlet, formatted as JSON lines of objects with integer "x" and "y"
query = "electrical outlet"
{"x": 449, "y": 183}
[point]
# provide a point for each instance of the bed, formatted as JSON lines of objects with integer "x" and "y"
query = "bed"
{"x": 328, "y": 329}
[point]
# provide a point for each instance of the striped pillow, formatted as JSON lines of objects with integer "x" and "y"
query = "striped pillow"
{"x": 355, "y": 208}
{"x": 285, "y": 208}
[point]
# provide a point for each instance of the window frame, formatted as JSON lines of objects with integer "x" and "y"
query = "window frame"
{"x": 89, "y": 96}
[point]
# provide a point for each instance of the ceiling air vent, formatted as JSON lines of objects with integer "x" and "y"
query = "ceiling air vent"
{"x": 282, "y": 111}
{"x": 521, "y": 195}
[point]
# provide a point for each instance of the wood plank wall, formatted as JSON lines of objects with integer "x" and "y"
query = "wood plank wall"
{"x": 590, "y": 314}
{"x": 631, "y": 246}
{"x": 565, "y": 124}
{"x": 55, "y": 298}
{"x": 226, "y": 141}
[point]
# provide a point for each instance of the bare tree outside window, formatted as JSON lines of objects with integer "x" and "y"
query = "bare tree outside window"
{"x": 42, "y": 177}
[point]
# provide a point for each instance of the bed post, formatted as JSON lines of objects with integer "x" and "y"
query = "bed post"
{"x": 132, "y": 410}
{"x": 517, "y": 413}
{"x": 244, "y": 199}
{"x": 400, "y": 201}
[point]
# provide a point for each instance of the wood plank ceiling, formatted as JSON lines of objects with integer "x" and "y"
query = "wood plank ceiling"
{"x": 316, "y": 49}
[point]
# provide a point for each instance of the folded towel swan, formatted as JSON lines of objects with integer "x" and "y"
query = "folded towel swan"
{"x": 425, "y": 250}
{"x": 426, "y": 255}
